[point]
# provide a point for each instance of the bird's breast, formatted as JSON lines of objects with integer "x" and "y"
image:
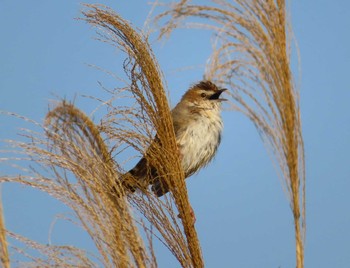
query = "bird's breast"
{"x": 198, "y": 142}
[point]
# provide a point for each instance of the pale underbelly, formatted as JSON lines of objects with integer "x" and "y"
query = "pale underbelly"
{"x": 198, "y": 146}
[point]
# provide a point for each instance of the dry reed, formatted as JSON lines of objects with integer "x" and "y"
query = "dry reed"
{"x": 154, "y": 114}
{"x": 4, "y": 258}
{"x": 74, "y": 165}
{"x": 252, "y": 58}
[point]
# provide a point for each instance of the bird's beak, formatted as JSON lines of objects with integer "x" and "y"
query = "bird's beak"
{"x": 216, "y": 96}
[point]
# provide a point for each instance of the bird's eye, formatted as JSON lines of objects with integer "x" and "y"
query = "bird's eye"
{"x": 203, "y": 95}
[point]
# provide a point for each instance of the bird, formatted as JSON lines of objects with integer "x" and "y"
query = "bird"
{"x": 198, "y": 127}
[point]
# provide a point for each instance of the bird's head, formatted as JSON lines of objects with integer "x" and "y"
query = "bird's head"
{"x": 204, "y": 94}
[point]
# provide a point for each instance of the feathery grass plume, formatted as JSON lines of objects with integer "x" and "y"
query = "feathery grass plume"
{"x": 151, "y": 116}
{"x": 78, "y": 141}
{"x": 72, "y": 163}
{"x": 75, "y": 168}
{"x": 252, "y": 57}
{"x": 5, "y": 260}
{"x": 50, "y": 255}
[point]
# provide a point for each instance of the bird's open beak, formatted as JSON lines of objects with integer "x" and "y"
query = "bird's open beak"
{"x": 216, "y": 96}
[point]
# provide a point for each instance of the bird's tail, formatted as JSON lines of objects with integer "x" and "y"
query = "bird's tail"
{"x": 160, "y": 187}
{"x": 129, "y": 182}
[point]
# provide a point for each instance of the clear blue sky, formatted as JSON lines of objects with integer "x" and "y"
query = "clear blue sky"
{"x": 243, "y": 217}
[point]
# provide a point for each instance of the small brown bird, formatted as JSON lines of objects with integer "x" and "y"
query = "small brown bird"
{"x": 198, "y": 125}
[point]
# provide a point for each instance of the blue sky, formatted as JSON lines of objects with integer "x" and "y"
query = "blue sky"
{"x": 243, "y": 216}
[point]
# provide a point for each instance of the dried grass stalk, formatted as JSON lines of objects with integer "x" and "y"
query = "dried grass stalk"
{"x": 101, "y": 207}
{"x": 73, "y": 163}
{"x": 252, "y": 57}
{"x": 51, "y": 256}
{"x": 154, "y": 114}
{"x": 4, "y": 257}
